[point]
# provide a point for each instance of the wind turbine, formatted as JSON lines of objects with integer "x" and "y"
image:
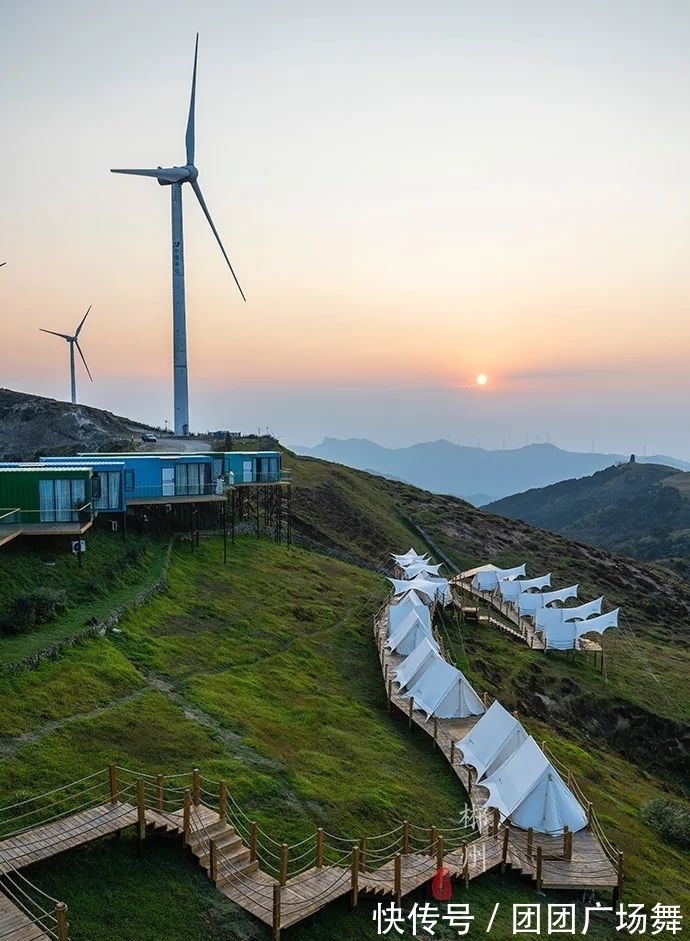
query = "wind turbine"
{"x": 174, "y": 177}
{"x": 73, "y": 341}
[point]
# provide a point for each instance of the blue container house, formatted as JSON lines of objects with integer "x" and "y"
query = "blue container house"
{"x": 107, "y": 482}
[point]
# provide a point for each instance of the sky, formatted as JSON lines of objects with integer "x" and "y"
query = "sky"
{"x": 410, "y": 195}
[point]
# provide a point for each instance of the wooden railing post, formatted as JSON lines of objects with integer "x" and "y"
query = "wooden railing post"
{"x": 432, "y": 840}
{"x": 410, "y": 711}
{"x": 390, "y": 690}
{"x": 112, "y": 775}
{"x": 452, "y": 752}
{"x": 284, "y": 849}
{"x": 486, "y": 700}
{"x": 355, "y": 867}
{"x": 397, "y": 878}
{"x": 141, "y": 810}
{"x": 570, "y": 780}
{"x": 252, "y": 841}
{"x": 223, "y": 801}
{"x": 61, "y": 919}
{"x": 435, "y": 732}
{"x": 619, "y": 885}
{"x": 362, "y": 853}
{"x": 439, "y": 851}
{"x": 590, "y": 814}
{"x": 196, "y": 787}
{"x": 186, "y": 814}
{"x": 160, "y": 802}
{"x": 504, "y": 850}
{"x": 319, "y": 848}
{"x": 213, "y": 861}
{"x": 538, "y": 872}
{"x": 276, "y": 912}
{"x": 496, "y": 821}
{"x": 530, "y": 841}
{"x": 406, "y": 836}
{"x": 567, "y": 842}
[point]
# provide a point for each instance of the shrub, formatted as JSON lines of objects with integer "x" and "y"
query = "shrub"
{"x": 669, "y": 818}
{"x": 32, "y": 609}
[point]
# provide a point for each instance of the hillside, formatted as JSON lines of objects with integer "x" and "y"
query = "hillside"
{"x": 638, "y": 510}
{"x": 263, "y": 672}
{"x": 30, "y": 424}
{"x": 475, "y": 474}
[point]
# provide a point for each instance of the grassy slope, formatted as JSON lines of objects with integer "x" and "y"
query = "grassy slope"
{"x": 186, "y": 684}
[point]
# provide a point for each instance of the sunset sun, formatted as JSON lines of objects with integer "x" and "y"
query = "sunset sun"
{"x": 482, "y": 379}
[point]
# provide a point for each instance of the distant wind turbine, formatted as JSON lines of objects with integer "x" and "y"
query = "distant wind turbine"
{"x": 174, "y": 177}
{"x": 2, "y": 263}
{"x": 73, "y": 341}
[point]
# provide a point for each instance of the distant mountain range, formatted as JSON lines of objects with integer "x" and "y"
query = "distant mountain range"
{"x": 638, "y": 510}
{"x": 475, "y": 474}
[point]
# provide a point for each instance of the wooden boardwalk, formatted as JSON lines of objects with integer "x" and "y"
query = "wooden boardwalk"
{"x": 519, "y": 627}
{"x": 586, "y": 863}
{"x": 230, "y": 848}
{"x": 15, "y": 924}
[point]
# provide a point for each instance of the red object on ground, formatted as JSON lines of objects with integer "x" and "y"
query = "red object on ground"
{"x": 441, "y": 888}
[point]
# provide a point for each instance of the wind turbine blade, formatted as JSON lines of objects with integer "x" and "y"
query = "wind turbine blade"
{"x": 189, "y": 137}
{"x": 82, "y": 322}
{"x": 65, "y": 336}
{"x": 76, "y": 343}
{"x": 4, "y": 263}
{"x": 167, "y": 174}
{"x": 197, "y": 190}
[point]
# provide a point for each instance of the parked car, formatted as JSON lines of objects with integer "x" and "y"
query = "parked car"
{"x": 149, "y": 436}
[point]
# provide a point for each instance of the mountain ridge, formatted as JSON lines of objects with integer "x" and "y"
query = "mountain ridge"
{"x": 472, "y": 473}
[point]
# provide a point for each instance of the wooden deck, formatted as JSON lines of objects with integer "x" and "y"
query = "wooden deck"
{"x": 173, "y": 499}
{"x": 7, "y": 533}
{"x": 52, "y": 838}
{"x": 15, "y": 925}
{"x": 55, "y": 529}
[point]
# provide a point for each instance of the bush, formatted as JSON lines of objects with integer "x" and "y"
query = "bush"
{"x": 33, "y": 608}
{"x": 669, "y": 818}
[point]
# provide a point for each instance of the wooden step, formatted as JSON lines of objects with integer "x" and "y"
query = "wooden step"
{"x": 228, "y": 874}
{"x": 227, "y": 850}
{"x": 210, "y": 831}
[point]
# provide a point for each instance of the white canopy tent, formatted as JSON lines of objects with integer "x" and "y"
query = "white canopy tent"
{"x": 421, "y": 568}
{"x": 488, "y": 579}
{"x": 409, "y": 597}
{"x": 406, "y": 557}
{"x": 412, "y": 667}
{"x": 398, "y": 612}
{"x": 529, "y": 603}
{"x": 546, "y": 616}
{"x": 410, "y": 633}
{"x": 510, "y": 589}
{"x": 443, "y": 691}
{"x": 528, "y": 790}
{"x": 492, "y": 740}
{"x": 433, "y": 589}
{"x": 566, "y": 635}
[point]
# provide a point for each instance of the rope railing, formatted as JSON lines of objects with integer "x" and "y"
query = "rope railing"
{"x": 50, "y": 919}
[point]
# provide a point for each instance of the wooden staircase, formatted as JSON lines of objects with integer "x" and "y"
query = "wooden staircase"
{"x": 232, "y": 856}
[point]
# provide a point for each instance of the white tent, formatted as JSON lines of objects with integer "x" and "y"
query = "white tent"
{"x": 529, "y": 791}
{"x": 406, "y": 557}
{"x": 565, "y": 636}
{"x": 433, "y": 589}
{"x": 546, "y": 616}
{"x": 492, "y": 740}
{"x": 416, "y": 663}
{"x": 443, "y": 691}
{"x": 531, "y": 602}
{"x": 398, "y": 612}
{"x": 409, "y": 597}
{"x": 421, "y": 568}
{"x": 510, "y": 588}
{"x": 488, "y": 578}
{"x": 409, "y": 634}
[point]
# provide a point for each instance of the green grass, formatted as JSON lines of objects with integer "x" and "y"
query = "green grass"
{"x": 113, "y": 572}
{"x": 264, "y": 673}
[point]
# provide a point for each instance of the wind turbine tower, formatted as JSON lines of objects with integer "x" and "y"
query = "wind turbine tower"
{"x": 174, "y": 177}
{"x": 73, "y": 341}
